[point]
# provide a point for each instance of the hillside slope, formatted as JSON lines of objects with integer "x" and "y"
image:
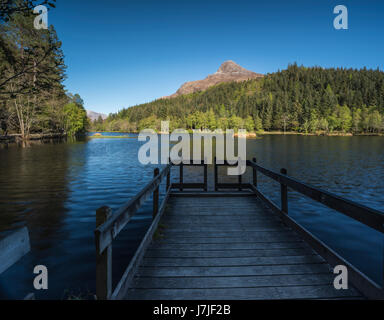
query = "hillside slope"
{"x": 299, "y": 99}
{"x": 228, "y": 71}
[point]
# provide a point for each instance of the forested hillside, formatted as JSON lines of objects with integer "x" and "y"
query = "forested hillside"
{"x": 32, "y": 69}
{"x": 297, "y": 99}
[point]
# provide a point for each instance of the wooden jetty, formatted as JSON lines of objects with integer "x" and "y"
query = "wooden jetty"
{"x": 228, "y": 243}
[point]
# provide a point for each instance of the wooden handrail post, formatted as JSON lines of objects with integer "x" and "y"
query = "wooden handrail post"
{"x": 181, "y": 175}
{"x": 103, "y": 260}
{"x": 205, "y": 175}
{"x": 284, "y": 194}
{"x": 168, "y": 180}
{"x": 240, "y": 182}
{"x": 169, "y": 174}
{"x": 240, "y": 176}
{"x": 255, "y": 174}
{"x": 216, "y": 174}
{"x": 155, "y": 195}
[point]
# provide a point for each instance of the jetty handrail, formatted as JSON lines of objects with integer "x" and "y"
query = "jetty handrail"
{"x": 182, "y": 185}
{"x": 225, "y": 185}
{"x": 109, "y": 230}
{"x": 370, "y": 217}
{"x": 109, "y": 224}
{"x": 367, "y": 216}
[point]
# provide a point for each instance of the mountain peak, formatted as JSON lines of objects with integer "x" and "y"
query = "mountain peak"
{"x": 228, "y": 71}
{"x": 95, "y": 115}
{"x": 231, "y": 67}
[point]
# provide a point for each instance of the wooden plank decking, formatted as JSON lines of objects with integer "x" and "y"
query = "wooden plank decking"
{"x": 230, "y": 247}
{"x": 233, "y": 244}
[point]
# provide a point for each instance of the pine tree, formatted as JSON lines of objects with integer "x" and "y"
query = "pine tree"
{"x": 311, "y": 99}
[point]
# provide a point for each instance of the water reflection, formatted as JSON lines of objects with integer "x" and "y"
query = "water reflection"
{"x": 33, "y": 192}
{"x": 55, "y": 190}
{"x": 351, "y": 167}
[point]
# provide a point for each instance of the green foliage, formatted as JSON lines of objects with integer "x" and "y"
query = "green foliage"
{"x": 235, "y": 122}
{"x": 249, "y": 124}
{"x": 150, "y": 122}
{"x": 299, "y": 99}
{"x": 258, "y": 124}
{"x": 9, "y": 7}
{"x": 376, "y": 121}
{"x": 32, "y": 70}
{"x": 345, "y": 118}
{"x": 76, "y": 119}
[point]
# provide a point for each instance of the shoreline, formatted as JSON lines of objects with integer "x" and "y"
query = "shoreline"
{"x": 17, "y": 138}
{"x": 322, "y": 134}
{"x": 261, "y": 133}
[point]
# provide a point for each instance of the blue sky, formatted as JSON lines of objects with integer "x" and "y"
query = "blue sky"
{"x": 123, "y": 52}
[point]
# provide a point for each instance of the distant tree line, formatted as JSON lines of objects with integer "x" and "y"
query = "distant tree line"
{"x": 32, "y": 69}
{"x": 301, "y": 99}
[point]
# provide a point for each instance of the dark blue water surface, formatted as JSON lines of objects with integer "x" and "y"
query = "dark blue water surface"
{"x": 55, "y": 189}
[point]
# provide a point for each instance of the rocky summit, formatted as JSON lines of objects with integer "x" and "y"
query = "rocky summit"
{"x": 228, "y": 71}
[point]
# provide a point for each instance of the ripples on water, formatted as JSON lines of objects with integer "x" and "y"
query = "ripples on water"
{"x": 55, "y": 190}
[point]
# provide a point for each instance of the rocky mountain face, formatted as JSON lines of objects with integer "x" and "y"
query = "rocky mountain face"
{"x": 95, "y": 116}
{"x": 228, "y": 71}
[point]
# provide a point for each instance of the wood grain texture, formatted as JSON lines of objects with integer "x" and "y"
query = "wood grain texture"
{"x": 274, "y": 293}
{"x": 228, "y": 247}
{"x": 234, "y": 282}
{"x": 164, "y": 253}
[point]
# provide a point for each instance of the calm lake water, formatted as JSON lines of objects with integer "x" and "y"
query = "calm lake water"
{"x": 55, "y": 189}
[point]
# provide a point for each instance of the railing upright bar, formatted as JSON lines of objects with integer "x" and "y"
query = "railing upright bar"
{"x": 240, "y": 182}
{"x": 156, "y": 172}
{"x": 284, "y": 193}
{"x": 103, "y": 260}
{"x": 169, "y": 175}
{"x": 181, "y": 175}
{"x": 168, "y": 180}
{"x": 205, "y": 175}
{"x": 254, "y": 174}
{"x": 216, "y": 174}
